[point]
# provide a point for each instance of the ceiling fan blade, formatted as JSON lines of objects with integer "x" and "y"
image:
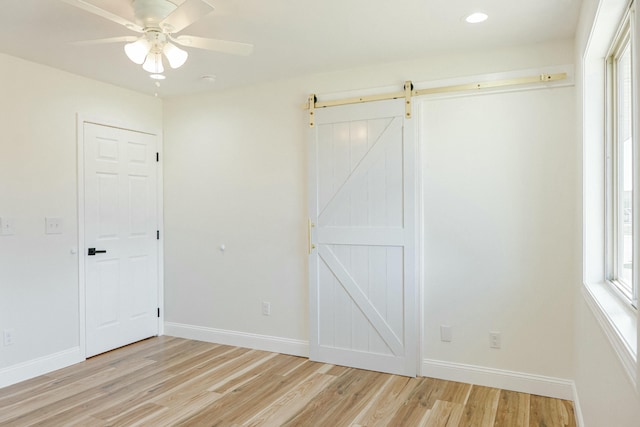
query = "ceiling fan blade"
{"x": 186, "y": 14}
{"x": 223, "y": 46}
{"x": 81, "y": 4}
{"x": 105, "y": 41}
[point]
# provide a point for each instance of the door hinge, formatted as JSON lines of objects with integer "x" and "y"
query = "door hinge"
{"x": 157, "y": 234}
{"x": 157, "y": 157}
{"x": 158, "y": 311}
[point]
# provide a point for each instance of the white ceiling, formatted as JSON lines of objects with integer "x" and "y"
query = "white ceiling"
{"x": 291, "y": 37}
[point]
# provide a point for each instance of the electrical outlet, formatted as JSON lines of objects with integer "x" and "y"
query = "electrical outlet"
{"x": 6, "y": 227}
{"x": 8, "y": 336}
{"x": 446, "y": 334}
{"x": 495, "y": 340}
{"x": 53, "y": 225}
{"x": 266, "y": 308}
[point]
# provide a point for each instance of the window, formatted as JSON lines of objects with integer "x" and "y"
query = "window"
{"x": 622, "y": 228}
{"x": 608, "y": 289}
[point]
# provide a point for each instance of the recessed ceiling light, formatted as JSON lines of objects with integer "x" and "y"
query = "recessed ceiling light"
{"x": 157, "y": 76}
{"x": 476, "y": 18}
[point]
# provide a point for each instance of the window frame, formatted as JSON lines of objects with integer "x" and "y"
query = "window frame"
{"x": 624, "y": 41}
{"x": 618, "y": 320}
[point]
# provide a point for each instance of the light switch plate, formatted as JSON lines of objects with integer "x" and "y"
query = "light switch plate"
{"x": 53, "y": 225}
{"x": 446, "y": 334}
{"x": 6, "y": 227}
{"x": 8, "y": 337}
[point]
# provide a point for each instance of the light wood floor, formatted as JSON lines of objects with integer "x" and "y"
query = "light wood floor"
{"x": 170, "y": 381}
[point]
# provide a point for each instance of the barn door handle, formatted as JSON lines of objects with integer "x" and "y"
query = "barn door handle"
{"x": 92, "y": 252}
{"x": 310, "y": 242}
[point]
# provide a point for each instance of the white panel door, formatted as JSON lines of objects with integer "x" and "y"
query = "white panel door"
{"x": 121, "y": 283}
{"x": 362, "y": 290}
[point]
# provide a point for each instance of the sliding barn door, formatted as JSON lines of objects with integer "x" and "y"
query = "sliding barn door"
{"x": 362, "y": 290}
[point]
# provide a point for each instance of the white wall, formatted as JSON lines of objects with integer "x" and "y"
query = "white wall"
{"x": 38, "y": 273}
{"x": 605, "y": 391}
{"x": 499, "y": 175}
{"x": 235, "y": 170}
{"x": 235, "y": 174}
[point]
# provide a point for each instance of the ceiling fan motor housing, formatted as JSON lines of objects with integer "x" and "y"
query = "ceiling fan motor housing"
{"x": 149, "y": 13}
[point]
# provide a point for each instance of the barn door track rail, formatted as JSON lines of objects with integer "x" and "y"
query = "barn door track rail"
{"x": 409, "y": 91}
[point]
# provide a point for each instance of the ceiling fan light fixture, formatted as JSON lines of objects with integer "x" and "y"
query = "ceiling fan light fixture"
{"x": 153, "y": 63}
{"x": 176, "y": 56}
{"x": 138, "y": 50}
{"x": 158, "y": 21}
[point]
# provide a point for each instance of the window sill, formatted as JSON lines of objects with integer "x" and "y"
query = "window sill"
{"x": 618, "y": 320}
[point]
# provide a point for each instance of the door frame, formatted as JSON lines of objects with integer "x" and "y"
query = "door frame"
{"x": 81, "y": 119}
{"x": 412, "y": 131}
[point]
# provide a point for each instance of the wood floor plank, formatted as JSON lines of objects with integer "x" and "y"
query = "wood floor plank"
{"x": 513, "y": 409}
{"x": 445, "y": 414}
{"x": 176, "y": 381}
{"x": 239, "y": 404}
{"x": 455, "y": 392}
{"x": 481, "y": 407}
{"x": 422, "y": 398}
{"x": 27, "y": 387}
{"x": 342, "y": 401}
{"x": 114, "y": 358}
{"x": 280, "y": 382}
{"x": 58, "y": 393}
{"x": 203, "y": 359}
{"x": 175, "y": 415}
{"x": 62, "y": 377}
{"x": 240, "y": 376}
{"x": 47, "y": 412}
{"x": 291, "y": 403}
{"x": 137, "y": 416}
{"x": 338, "y": 370}
{"x": 549, "y": 412}
{"x": 302, "y": 360}
{"x": 194, "y": 386}
{"x": 383, "y": 407}
{"x": 168, "y": 381}
{"x": 169, "y": 355}
{"x": 86, "y": 421}
{"x": 568, "y": 413}
{"x": 118, "y": 390}
{"x": 135, "y": 350}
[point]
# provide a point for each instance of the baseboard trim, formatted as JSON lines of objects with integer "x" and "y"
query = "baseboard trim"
{"x": 576, "y": 407}
{"x": 40, "y": 366}
{"x": 238, "y": 339}
{"x": 499, "y": 378}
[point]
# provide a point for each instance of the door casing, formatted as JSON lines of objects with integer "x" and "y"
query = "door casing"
{"x": 80, "y": 122}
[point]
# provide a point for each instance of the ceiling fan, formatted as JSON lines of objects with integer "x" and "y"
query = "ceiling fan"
{"x": 158, "y": 21}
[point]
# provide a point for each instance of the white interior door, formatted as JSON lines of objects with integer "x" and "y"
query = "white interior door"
{"x": 121, "y": 283}
{"x": 362, "y": 290}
